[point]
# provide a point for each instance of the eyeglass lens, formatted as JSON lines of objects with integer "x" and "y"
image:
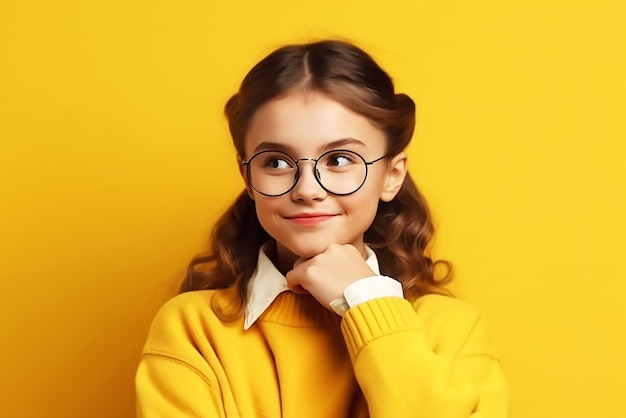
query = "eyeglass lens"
{"x": 274, "y": 173}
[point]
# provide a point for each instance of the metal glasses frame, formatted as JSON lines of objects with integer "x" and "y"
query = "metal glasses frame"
{"x": 315, "y": 170}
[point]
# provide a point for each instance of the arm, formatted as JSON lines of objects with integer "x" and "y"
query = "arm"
{"x": 429, "y": 360}
{"x": 401, "y": 374}
{"x": 174, "y": 379}
{"x": 170, "y": 387}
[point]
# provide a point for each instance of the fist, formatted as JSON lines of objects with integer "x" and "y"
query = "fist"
{"x": 327, "y": 275}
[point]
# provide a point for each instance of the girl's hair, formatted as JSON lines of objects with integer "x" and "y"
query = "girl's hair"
{"x": 402, "y": 228}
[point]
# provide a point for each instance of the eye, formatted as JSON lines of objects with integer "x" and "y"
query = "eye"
{"x": 275, "y": 161}
{"x": 340, "y": 159}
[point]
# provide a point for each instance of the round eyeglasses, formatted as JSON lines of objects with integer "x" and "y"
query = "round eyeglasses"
{"x": 340, "y": 172}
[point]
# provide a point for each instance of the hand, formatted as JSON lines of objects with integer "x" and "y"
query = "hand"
{"x": 327, "y": 275}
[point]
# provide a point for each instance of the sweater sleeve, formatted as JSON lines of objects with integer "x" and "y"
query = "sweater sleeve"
{"x": 173, "y": 379}
{"x": 407, "y": 367}
{"x": 170, "y": 387}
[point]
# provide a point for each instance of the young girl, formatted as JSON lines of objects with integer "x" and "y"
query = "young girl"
{"x": 317, "y": 298}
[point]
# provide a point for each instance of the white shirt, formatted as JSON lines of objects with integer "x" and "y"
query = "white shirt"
{"x": 267, "y": 283}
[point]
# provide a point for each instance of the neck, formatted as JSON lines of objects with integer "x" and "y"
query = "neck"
{"x": 283, "y": 260}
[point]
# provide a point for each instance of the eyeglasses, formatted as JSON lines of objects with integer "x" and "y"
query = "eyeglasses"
{"x": 340, "y": 172}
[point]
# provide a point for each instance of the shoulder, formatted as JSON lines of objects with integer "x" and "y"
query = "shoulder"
{"x": 184, "y": 305}
{"x": 444, "y": 309}
{"x": 188, "y": 316}
{"x": 172, "y": 321}
{"x": 451, "y": 323}
{"x": 199, "y": 303}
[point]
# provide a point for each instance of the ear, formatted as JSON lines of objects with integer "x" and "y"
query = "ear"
{"x": 396, "y": 172}
{"x": 244, "y": 176}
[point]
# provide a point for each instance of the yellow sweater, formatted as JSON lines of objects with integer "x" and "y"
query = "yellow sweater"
{"x": 386, "y": 358}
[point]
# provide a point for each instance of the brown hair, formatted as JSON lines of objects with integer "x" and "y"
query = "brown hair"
{"x": 402, "y": 228}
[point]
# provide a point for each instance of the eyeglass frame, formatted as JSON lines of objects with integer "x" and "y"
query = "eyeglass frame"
{"x": 315, "y": 170}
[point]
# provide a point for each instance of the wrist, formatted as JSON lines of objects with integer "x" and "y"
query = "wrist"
{"x": 366, "y": 289}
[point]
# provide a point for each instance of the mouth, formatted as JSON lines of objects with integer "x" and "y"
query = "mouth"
{"x": 308, "y": 219}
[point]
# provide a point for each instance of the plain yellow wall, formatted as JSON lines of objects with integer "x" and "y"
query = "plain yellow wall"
{"x": 115, "y": 161}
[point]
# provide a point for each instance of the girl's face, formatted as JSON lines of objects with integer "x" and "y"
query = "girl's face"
{"x": 307, "y": 219}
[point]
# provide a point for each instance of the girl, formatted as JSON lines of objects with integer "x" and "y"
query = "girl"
{"x": 318, "y": 298}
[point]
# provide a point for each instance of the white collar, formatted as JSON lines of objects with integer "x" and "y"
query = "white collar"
{"x": 267, "y": 283}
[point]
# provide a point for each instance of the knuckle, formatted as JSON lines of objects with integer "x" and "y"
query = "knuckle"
{"x": 310, "y": 273}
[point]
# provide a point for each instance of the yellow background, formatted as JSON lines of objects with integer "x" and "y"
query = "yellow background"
{"x": 115, "y": 161}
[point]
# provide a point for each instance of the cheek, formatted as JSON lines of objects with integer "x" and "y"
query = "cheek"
{"x": 266, "y": 209}
{"x": 262, "y": 207}
{"x": 363, "y": 204}
{"x": 369, "y": 194}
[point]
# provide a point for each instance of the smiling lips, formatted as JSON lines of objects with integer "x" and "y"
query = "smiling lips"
{"x": 309, "y": 219}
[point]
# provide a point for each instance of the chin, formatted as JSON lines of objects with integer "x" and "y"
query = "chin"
{"x": 310, "y": 248}
{"x": 305, "y": 250}
{"x": 308, "y": 251}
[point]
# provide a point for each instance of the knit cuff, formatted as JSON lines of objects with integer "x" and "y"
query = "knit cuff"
{"x": 376, "y": 318}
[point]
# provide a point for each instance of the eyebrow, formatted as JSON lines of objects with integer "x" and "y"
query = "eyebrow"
{"x": 266, "y": 145}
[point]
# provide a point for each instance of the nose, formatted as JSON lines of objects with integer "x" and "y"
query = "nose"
{"x": 307, "y": 187}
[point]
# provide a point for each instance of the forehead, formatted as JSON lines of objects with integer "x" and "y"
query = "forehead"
{"x": 307, "y": 121}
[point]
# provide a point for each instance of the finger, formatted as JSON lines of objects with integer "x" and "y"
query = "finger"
{"x": 293, "y": 284}
{"x": 298, "y": 289}
{"x": 299, "y": 261}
